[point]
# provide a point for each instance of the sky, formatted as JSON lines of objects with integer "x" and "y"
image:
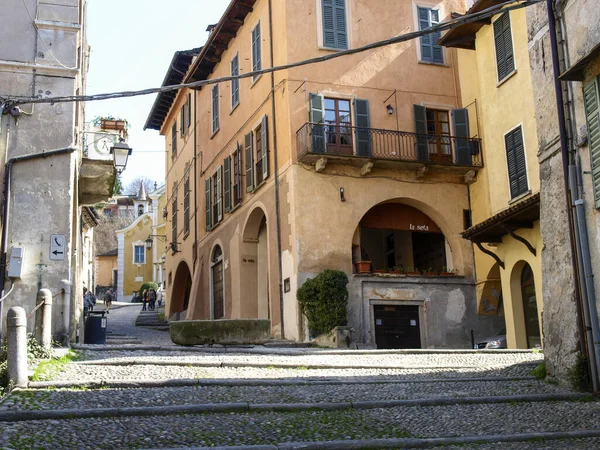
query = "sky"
{"x": 132, "y": 43}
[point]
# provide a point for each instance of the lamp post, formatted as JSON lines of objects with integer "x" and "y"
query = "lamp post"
{"x": 120, "y": 152}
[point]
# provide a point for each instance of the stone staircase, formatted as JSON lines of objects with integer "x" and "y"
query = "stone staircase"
{"x": 151, "y": 320}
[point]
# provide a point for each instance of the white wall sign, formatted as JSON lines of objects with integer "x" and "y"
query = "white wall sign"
{"x": 58, "y": 247}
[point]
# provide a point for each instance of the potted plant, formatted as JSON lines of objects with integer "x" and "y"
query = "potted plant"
{"x": 363, "y": 266}
{"x": 410, "y": 272}
{"x": 429, "y": 272}
{"x": 447, "y": 272}
{"x": 110, "y": 123}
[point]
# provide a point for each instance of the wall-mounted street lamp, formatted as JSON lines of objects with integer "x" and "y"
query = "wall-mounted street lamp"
{"x": 149, "y": 241}
{"x": 120, "y": 152}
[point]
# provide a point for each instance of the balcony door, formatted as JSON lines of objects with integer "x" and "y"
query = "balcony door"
{"x": 438, "y": 131}
{"x": 338, "y": 126}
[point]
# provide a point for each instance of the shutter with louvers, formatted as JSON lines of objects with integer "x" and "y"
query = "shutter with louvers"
{"x": 363, "y": 132}
{"x": 265, "y": 148}
{"x": 328, "y": 24}
{"x": 515, "y": 158}
{"x": 316, "y": 118}
{"x": 335, "y": 34}
{"x": 182, "y": 124}
{"x": 461, "y": 134}
{"x": 189, "y": 110}
{"x": 215, "y": 108}
{"x": 208, "y": 204}
{"x": 227, "y": 183}
{"x": 256, "y": 50}
{"x": 421, "y": 130}
{"x": 238, "y": 174}
{"x": 249, "y": 162}
{"x": 503, "y": 43}
{"x": 426, "y": 41}
{"x": 437, "y": 51}
{"x": 591, "y": 96}
{"x": 219, "y": 194}
{"x": 341, "y": 35}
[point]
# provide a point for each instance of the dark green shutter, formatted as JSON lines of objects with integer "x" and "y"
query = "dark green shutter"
{"x": 438, "y": 53}
{"x": 215, "y": 108}
{"x": 219, "y": 194}
{"x": 208, "y": 204}
{"x": 591, "y": 98}
{"x": 256, "y": 50}
{"x": 238, "y": 174}
{"x": 461, "y": 134}
{"x": 227, "y": 183}
{"x": 316, "y": 118}
{"x": 426, "y": 42}
{"x": 265, "y": 148}
{"x": 249, "y": 162}
{"x": 421, "y": 130}
{"x": 515, "y": 158}
{"x": 504, "y": 49}
{"x": 334, "y": 24}
{"x": 363, "y": 132}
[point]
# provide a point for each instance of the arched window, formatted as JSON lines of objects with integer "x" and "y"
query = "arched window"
{"x": 217, "y": 283}
{"x": 140, "y": 210}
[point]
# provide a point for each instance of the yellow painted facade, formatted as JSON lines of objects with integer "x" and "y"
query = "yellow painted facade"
{"x": 502, "y": 107}
{"x": 105, "y": 265}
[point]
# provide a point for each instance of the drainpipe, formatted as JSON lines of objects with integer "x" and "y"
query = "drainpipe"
{"x": 195, "y": 249}
{"x": 276, "y": 175}
{"x": 6, "y": 215}
{"x": 575, "y": 247}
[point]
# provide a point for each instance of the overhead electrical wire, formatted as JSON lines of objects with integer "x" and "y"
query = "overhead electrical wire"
{"x": 448, "y": 25}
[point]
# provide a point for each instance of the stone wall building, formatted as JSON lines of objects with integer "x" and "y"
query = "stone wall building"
{"x": 44, "y": 53}
{"x": 273, "y": 178}
{"x": 569, "y": 301}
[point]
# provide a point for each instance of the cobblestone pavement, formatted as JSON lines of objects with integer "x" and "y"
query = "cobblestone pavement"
{"x": 293, "y": 398}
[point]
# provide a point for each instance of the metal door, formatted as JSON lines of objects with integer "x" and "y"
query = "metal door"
{"x": 397, "y": 326}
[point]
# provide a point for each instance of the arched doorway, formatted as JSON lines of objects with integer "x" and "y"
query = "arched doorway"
{"x": 255, "y": 267}
{"x": 530, "y": 310}
{"x": 216, "y": 285}
{"x": 182, "y": 287}
{"x": 396, "y": 236}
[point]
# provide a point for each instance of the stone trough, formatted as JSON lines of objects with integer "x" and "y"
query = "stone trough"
{"x": 222, "y": 331}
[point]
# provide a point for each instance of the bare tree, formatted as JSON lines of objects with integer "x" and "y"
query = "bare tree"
{"x": 133, "y": 187}
{"x": 105, "y": 238}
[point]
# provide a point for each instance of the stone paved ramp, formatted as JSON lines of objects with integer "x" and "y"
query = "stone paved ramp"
{"x": 159, "y": 396}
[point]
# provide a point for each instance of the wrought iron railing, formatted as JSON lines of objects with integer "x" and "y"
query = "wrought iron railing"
{"x": 318, "y": 138}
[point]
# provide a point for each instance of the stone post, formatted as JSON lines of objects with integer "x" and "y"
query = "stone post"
{"x": 16, "y": 327}
{"x": 43, "y": 318}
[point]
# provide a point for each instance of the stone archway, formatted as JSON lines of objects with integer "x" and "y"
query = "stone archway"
{"x": 182, "y": 287}
{"x": 254, "y": 265}
{"x": 525, "y": 306}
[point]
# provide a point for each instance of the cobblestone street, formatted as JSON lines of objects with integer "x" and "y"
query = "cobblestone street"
{"x": 140, "y": 391}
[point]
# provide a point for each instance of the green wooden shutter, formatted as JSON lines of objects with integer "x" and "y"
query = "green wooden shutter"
{"x": 256, "y": 50}
{"x": 591, "y": 98}
{"x": 249, "y": 162}
{"x": 219, "y": 194}
{"x": 215, "y": 108}
{"x": 265, "y": 148}
{"x": 461, "y": 134}
{"x": 421, "y": 130}
{"x": 182, "y": 123}
{"x": 238, "y": 174}
{"x": 437, "y": 51}
{"x": 503, "y": 43}
{"x": 335, "y": 33}
{"x": 316, "y": 117}
{"x": 515, "y": 158}
{"x": 227, "y": 183}
{"x": 363, "y": 131}
{"x": 189, "y": 111}
{"x": 426, "y": 41}
{"x": 328, "y": 24}
{"x": 207, "y": 184}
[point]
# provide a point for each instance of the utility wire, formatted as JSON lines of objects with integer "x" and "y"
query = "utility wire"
{"x": 448, "y": 25}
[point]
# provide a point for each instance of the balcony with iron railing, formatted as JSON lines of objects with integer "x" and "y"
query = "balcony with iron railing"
{"x": 388, "y": 148}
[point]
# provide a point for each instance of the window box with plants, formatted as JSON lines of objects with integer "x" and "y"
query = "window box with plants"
{"x": 430, "y": 272}
{"x": 110, "y": 123}
{"x": 445, "y": 272}
{"x": 409, "y": 271}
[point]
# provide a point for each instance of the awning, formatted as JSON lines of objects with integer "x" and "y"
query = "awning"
{"x": 463, "y": 36}
{"x": 521, "y": 215}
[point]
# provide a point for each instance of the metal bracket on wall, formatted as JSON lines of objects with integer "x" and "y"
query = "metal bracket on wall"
{"x": 524, "y": 241}
{"x": 492, "y": 254}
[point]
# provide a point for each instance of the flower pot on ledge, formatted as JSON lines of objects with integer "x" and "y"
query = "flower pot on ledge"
{"x": 109, "y": 124}
{"x": 363, "y": 266}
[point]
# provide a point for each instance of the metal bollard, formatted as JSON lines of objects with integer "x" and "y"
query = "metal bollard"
{"x": 43, "y": 318}
{"x": 16, "y": 327}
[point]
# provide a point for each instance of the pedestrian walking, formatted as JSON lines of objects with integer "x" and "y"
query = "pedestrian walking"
{"x": 152, "y": 299}
{"x": 87, "y": 305}
{"x": 144, "y": 300}
{"x": 108, "y": 299}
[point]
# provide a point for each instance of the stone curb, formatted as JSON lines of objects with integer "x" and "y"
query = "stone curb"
{"x": 296, "y": 350}
{"x": 274, "y": 365}
{"x": 183, "y": 382}
{"x": 18, "y": 416}
{"x": 408, "y": 443}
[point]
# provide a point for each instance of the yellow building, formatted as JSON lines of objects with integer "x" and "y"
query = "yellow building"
{"x": 106, "y": 269}
{"x": 317, "y": 167}
{"x": 495, "y": 84}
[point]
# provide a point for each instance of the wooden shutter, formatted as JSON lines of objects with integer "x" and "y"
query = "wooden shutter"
{"x": 235, "y": 83}
{"x": 426, "y": 40}
{"x": 265, "y": 148}
{"x": 316, "y": 117}
{"x": 503, "y": 43}
{"x": 189, "y": 110}
{"x": 182, "y": 124}
{"x": 256, "y": 50}
{"x": 335, "y": 33}
{"x": 515, "y": 158}
{"x": 219, "y": 194}
{"x": 238, "y": 174}
{"x": 249, "y": 162}
{"x": 208, "y": 185}
{"x": 363, "y": 132}
{"x": 461, "y": 134}
{"x": 174, "y": 138}
{"x": 215, "y": 108}
{"x": 437, "y": 51}
{"x": 227, "y": 183}
{"x": 591, "y": 96}
{"x": 421, "y": 130}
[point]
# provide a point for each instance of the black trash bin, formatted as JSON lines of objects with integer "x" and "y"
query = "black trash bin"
{"x": 95, "y": 328}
